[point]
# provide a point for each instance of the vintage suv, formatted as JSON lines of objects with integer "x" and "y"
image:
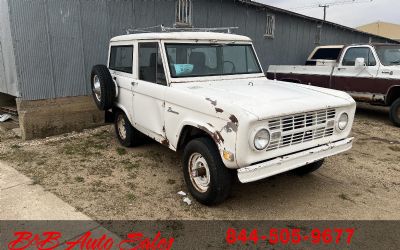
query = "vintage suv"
{"x": 205, "y": 94}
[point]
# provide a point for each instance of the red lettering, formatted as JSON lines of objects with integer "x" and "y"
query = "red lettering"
{"x": 136, "y": 241}
{"x": 85, "y": 242}
{"x": 25, "y": 240}
{"x": 22, "y": 242}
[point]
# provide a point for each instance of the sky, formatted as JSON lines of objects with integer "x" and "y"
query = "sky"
{"x": 352, "y": 15}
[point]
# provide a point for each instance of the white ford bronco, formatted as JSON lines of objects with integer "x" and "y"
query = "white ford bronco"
{"x": 205, "y": 94}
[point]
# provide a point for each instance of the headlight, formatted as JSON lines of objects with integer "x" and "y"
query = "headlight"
{"x": 343, "y": 121}
{"x": 261, "y": 139}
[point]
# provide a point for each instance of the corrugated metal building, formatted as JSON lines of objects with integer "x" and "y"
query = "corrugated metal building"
{"x": 47, "y": 47}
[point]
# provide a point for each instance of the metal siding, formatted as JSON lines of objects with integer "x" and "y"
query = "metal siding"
{"x": 228, "y": 13}
{"x": 66, "y": 47}
{"x": 57, "y": 42}
{"x": 3, "y": 83}
{"x": 95, "y": 34}
{"x": 32, "y": 49}
{"x": 164, "y": 11}
{"x": 8, "y": 71}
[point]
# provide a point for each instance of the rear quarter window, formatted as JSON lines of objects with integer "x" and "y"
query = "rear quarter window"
{"x": 327, "y": 54}
{"x": 121, "y": 58}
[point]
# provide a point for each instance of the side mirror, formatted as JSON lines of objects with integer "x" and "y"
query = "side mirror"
{"x": 360, "y": 62}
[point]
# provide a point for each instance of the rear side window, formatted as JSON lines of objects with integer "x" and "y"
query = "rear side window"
{"x": 121, "y": 58}
{"x": 352, "y": 54}
{"x": 326, "y": 54}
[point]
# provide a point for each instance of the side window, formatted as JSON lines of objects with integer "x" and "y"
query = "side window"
{"x": 150, "y": 64}
{"x": 352, "y": 54}
{"x": 326, "y": 54}
{"x": 121, "y": 58}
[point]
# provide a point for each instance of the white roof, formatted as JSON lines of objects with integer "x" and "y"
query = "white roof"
{"x": 182, "y": 36}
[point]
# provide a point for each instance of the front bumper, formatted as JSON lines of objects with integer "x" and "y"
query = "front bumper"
{"x": 289, "y": 162}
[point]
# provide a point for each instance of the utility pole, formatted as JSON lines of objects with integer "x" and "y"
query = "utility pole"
{"x": 325, "y": 6}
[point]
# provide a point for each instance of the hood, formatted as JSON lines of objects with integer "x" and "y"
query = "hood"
{"x": 267, "y": 98}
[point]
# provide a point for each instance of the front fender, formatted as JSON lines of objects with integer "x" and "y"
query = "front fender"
{"x": 224, "y": 139}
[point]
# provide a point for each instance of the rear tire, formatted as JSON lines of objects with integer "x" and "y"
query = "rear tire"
{"x": 309, "y": 168}
{"x": 206, "y": 176}
{"x": 127, "y": 135}
{"x": 394, "y": 112}
{"x": 103, "y": 87}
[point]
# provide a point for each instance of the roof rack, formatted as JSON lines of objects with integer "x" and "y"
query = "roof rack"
{"x": 162, "y": 28}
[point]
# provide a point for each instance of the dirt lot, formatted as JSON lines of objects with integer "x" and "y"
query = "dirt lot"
{"x": 93, "y": 173}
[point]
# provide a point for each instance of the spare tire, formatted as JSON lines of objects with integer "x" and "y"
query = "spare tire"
{"x": 103, "y": 88}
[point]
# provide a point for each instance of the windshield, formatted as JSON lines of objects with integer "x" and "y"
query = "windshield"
{"x": 192, "y": 60}
{"x": 389, "y": 55}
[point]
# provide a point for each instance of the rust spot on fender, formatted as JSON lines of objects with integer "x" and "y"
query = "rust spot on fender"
{"x": 218, "y": 110}
{"x": 165, "y": 142}
{"x": 232, "y": 125}
{"x": 234, "y": 119}
{"x": 217, "y": 137}
{"x": 213, "y": 102}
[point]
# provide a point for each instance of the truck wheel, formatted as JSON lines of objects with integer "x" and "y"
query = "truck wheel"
{"x": 127, "y": 135}
{"x": 394, "y": 112}
{"x": 309, "y": 168}
{"x": 206, "y": 176}
{"x": 103, "y": 88}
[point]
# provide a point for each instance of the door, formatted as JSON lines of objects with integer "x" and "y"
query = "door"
{"x": 359, "y": 79}
{"x": 121, "y": 69}
{"x": 149, "y": 90}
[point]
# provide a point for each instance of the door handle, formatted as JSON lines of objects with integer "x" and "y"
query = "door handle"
{"x": 341, "y": 68}
{"x": 134, "y": 84}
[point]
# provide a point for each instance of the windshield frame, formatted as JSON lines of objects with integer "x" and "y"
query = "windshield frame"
{"x": 379, "y": 49}
{"x": 188, "y": 78}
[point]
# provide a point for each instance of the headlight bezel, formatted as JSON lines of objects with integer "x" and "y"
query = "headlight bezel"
{"x": 339, "y": 126}
{"x": 254, "y": 137}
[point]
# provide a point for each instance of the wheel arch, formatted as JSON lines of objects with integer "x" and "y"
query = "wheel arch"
{"x": 190, "y": 130}
{"x": 118, "y": 107}
{"x": 393, "y": 94}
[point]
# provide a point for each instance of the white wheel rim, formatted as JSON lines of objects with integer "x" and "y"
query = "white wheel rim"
{"x": 199, "y": 172}
{"x": 121, "y": 127}
{"x": 97, "y": 88}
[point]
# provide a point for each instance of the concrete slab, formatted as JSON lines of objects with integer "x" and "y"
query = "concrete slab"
{"x": 9, "y": 177}
{"x": 19, "y": 200}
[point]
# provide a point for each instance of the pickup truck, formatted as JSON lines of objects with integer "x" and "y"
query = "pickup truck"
{"x": 369, "y": 73}
{"x": 205, "y": 94}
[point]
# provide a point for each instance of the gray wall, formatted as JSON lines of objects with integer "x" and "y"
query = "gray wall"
{"x": 8, "y": 74}
{"x": 58, "y": 41}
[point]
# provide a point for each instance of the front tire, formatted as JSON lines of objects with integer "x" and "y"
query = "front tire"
{"x": 206, "y": 176}
{"x": 394, "y": 112}
{"x": 127, "y": 135}
{"x": 309, "y": 168}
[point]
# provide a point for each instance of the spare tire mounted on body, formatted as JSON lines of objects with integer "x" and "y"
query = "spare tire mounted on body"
{"x": 103, "y": 87}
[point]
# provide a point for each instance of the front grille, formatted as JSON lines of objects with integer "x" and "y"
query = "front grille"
{"x": 299, "y": 128}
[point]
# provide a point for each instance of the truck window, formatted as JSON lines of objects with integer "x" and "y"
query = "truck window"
{"x": 150, "y": 64}
{"x": 326, "y": 54}
{"x": 389, "y": 54}
{"x": 121, "y": 58}
{"x": 352, "y": 54}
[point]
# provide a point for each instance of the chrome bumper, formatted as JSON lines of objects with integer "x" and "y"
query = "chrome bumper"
{"x": 289, "y": 162}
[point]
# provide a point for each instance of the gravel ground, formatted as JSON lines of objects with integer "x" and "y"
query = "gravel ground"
{"x": 93, "y": 173}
